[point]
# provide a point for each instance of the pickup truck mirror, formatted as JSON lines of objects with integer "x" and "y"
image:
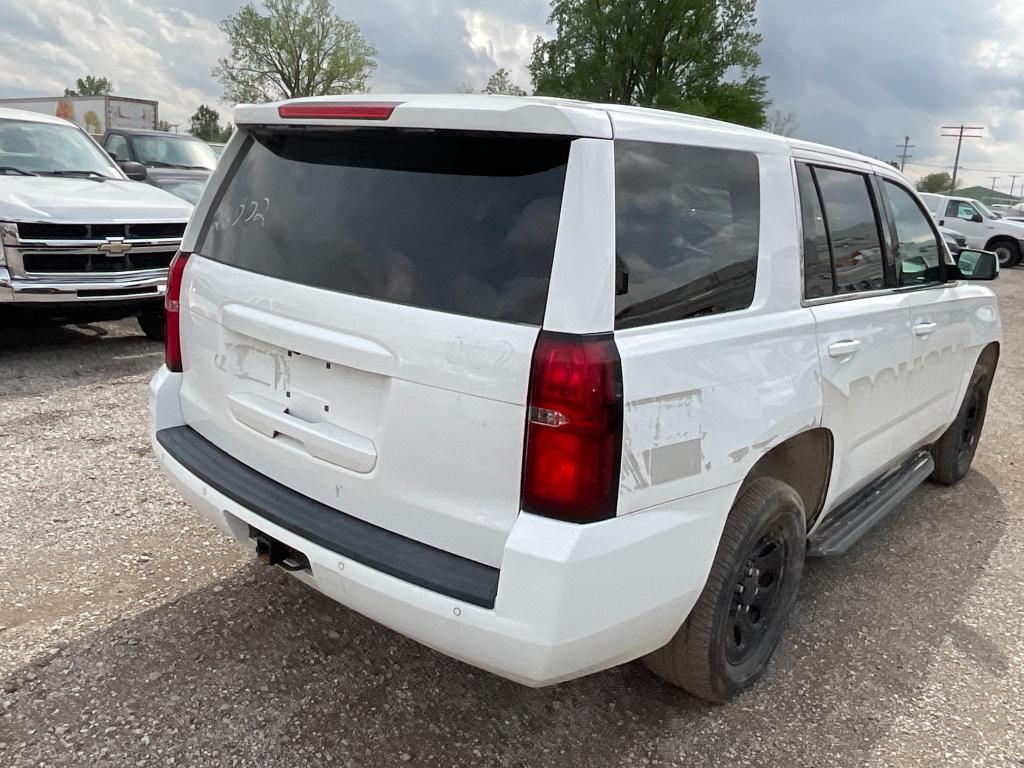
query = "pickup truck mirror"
{"x": 977, "y": 265}
{"x": 977, "y": 218}
{"x": 134, "y": 171}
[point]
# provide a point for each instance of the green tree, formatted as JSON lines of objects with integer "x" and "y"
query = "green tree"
{"x": 205, "y": 125}
{"x": 935, "y": 182}
{"x": 697, "y": 56}
{"x": 501, "y": 83}
{"x": 298, "y": 48}
{"x": 163, "y": 125}
{"x": 90, "y": 86}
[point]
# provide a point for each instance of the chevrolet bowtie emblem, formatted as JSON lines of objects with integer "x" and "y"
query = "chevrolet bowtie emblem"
{"x": 115, "y": 246}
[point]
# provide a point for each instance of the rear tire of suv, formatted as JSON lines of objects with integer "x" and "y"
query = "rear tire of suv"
{"x": 725, "y": 644}
{"x": 151, "y": 321}
{"x": 1008, "y": 253}
{"x": 955, "y": 450}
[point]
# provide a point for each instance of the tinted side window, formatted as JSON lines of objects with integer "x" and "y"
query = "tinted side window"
{"x": 853, "y": 230}
{"x": 920, "y": 256}
{"x": 687, "y": 229}
{"x": 959, "y": 210}
{"x": 817, "y": 255}
{"x": 116, "y": 145}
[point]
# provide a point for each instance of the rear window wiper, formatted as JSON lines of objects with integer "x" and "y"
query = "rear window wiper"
{"x": 78, "y": 174}
{"x": 5, "y": 169}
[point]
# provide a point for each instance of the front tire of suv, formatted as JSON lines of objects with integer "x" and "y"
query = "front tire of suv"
{"x": 955, "y": 450}
{"x": 1008, "y": 253}
{"x": 725, "y": 644}
{"x": 151, "y": 321}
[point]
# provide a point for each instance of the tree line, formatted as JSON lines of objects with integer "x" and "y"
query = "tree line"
{"x": 694, "y": 56}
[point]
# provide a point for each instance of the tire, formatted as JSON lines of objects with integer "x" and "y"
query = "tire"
{"x": 1008, "y": 253}
{"x": 152, "y": 323}
{"x": 954, "y": 451}
{"x": 707, "y": 657}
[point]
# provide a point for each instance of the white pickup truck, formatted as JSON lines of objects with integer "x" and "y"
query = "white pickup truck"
{"x": 78, "y": 239}
{"x": 550, "y": 386}
{"x": 983, "y": 228}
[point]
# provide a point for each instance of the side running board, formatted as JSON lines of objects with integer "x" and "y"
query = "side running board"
{"x": 855, "y": 517}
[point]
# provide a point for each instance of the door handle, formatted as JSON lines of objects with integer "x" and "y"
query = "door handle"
{"x": 923, "y": 329}
{"x": 843, "y": 348}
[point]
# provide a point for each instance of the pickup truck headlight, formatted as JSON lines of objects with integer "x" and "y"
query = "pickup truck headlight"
{"x": 7, "y": 232}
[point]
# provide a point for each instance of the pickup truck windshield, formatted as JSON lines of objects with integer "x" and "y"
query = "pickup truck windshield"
{"x": 174, "y": 152}
{"x": 47, "y": 149}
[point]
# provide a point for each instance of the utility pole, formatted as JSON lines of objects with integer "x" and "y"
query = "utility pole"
{"x": 1013, "y": 183}
{"x": 959, "y": 136}
{"x": 903, "y": 152}
{"x": 994, "y": 180}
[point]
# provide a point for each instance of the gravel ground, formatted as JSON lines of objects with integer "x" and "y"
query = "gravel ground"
{"x": 132, "y": 633}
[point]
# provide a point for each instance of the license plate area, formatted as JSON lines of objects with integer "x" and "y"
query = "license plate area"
{"x": 273, "y": 552}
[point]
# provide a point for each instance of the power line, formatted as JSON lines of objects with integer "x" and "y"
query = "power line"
{"x": 903, "y": 152}
{"x": 960, "y": 136}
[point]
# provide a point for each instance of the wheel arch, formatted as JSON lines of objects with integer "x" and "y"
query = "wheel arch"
{"x": 993, "y": 241}
{"x": 989, "y": 357}
{"x": 803, "y": 461}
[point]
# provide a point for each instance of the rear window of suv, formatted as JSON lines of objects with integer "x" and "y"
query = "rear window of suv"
{"x": 455, "y": 222}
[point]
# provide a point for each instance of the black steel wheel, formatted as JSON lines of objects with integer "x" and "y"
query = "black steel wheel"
{"x": 954, "y": 452}
{"x": 755, "y": 599}
{"x": 726, "y": 642}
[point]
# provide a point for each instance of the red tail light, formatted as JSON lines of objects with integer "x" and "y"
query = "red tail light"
{"x": 573, "y": 428}
{"x": 342, "y": 111}
{"x": 172, "y": 307}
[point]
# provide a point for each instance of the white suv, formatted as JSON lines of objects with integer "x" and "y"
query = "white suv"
{"x": 550, "y": 386}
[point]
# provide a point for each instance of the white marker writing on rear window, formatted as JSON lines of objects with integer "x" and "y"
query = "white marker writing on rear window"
{"x": 252, "y": 212}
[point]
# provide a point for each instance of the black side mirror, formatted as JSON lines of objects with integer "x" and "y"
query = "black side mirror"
{"x": 977, "y": 218}
{"x": 134, "y": 171}
{"x": 977, "y": 265}
{"x": 113, "y": 155}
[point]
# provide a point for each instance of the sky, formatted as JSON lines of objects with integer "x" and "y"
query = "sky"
{"x": 860, "y": 75}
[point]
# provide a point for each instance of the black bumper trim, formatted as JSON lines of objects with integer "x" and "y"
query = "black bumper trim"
{"x": 380, "y": 549}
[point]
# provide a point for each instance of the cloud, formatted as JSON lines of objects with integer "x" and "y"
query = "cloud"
{"x": 149, "y": 51}
{"x": 858, "y": 75}
{"x": 864, "y": 75}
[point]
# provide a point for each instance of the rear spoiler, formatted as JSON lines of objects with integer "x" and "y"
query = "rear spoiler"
{"x": 455, "y": 112}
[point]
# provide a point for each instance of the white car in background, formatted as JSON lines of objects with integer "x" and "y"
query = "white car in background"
{"x": 983, "y": 228}
{"x": 78, "y": 239}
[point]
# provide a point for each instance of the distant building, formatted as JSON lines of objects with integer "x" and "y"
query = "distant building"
{"x": 987, "y": 196}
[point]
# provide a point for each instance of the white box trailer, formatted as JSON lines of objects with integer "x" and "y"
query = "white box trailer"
{"x": 95, "y": 114}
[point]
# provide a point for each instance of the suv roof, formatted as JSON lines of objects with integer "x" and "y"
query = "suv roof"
{"x": 535, "y": 114}
{"x": 532, "y": 114}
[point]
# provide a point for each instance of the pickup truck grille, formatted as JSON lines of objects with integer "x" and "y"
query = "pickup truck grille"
{"x": 63, "y": 262}
{"x": 46, "y": 231}
{"x": 89, "y": 249}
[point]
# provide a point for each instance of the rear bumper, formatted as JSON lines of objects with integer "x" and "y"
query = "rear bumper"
{"x": 570, "y": 599}
{"x": 82, "y": 289}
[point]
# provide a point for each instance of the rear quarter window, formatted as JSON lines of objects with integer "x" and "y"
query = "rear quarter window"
{"x": 687, "y": 229}
{"x": 454, "y": 222}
